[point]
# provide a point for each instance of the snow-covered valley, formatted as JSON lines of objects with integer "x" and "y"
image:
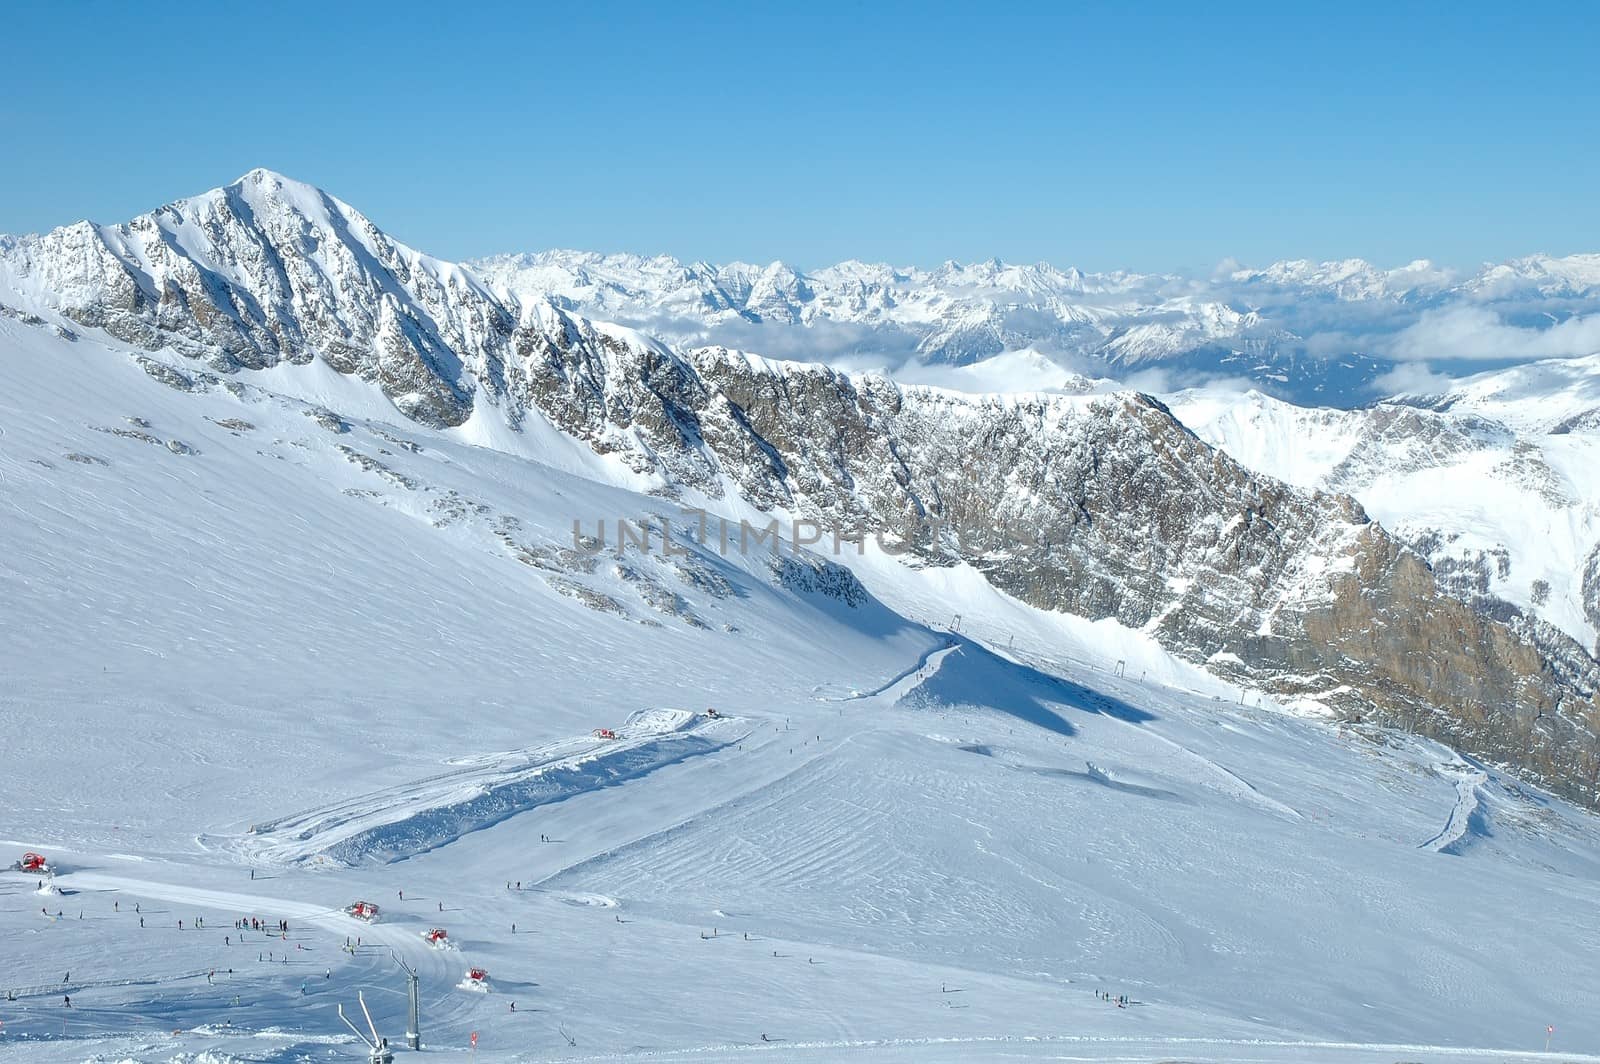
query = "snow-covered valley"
{"x": 271, "y": 648}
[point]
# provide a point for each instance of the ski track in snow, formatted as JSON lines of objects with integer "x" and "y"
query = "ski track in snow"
{"x": 1459, "y": 825}
{"x": 899, "y": 686}
{"x": 1099, "y": 1048}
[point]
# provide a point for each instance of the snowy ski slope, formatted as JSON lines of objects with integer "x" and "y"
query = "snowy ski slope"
{"x": 284, "y": 610}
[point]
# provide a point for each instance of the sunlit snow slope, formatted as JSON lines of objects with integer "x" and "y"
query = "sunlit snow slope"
{"x": 269, "y": 650}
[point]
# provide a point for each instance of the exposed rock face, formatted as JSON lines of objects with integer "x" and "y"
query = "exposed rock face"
{"x": 1106, "y": 507}
{"x": 1591, "y": 590}
{"x": 265, "y": 271}
{"x": 1435, "y": 665}
{"x": 1111, "y": 508}
{"x": 810, "y": 575}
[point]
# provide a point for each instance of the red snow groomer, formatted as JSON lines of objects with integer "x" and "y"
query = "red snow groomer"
{"x": 477, "y": 977}
{"x": 33, "y": 862}
{"x": 605, "y": 733}
{"x": 362, "y": 910}
{"x": 436, "y": 938}
{"x": 712, "y": 714}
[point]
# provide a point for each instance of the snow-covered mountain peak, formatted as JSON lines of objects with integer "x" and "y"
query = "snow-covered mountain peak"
{"x": 261, "y": 186}
{"x": 1546, "y": 275}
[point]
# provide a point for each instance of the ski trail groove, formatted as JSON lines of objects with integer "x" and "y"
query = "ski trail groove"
{"x": 1459, "y": 824}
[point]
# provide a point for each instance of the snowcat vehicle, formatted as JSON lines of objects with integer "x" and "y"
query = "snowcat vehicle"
{"x": 33, "y": 862}
{"x": 362, "y": 910}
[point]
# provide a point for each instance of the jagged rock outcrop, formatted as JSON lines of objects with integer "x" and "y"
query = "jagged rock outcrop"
{"x": 1591, "y": 590}
{"x": 1106, "y": 507}
{"x": 267, "y": 271}
{"x": 1402, "y": 436}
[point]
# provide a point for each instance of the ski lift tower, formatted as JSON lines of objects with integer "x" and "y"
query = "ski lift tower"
{"x": 377, "y": 1048}
{"x": 414, "y": 1004}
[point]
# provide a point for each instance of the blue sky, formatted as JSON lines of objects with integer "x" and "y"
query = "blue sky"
{"x": 1149, "y": 137}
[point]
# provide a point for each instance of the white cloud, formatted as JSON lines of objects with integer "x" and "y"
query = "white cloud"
{"x": 1014, "y": 371}
{"x": 1478, "y": 333}
{"x": 1412, "y": 378}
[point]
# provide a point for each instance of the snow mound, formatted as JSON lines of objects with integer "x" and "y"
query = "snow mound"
{"x": 402, "y": 821}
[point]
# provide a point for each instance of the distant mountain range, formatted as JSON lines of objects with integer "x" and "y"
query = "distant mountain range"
{"x": 1311, "y": 332}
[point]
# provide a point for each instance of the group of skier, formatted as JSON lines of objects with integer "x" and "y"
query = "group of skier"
{"x": 279, "y": 928}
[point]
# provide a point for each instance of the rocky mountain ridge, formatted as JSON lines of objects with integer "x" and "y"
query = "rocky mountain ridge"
{"x": 1101, "y": 506}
